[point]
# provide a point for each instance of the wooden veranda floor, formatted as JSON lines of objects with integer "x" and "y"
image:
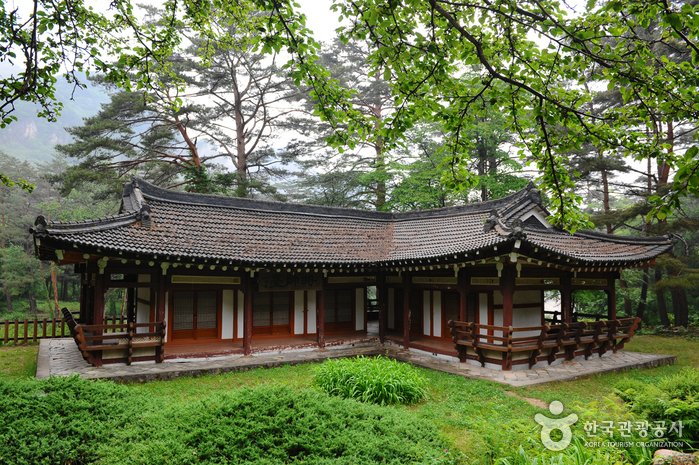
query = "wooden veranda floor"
{"x": 260, "y": 345}
{"x": 426, "y": 344}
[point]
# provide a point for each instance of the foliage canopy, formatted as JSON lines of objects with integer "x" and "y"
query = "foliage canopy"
{"x": 532, "y": 60}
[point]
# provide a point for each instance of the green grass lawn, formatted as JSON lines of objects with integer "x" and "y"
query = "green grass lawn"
{"x": 479, "y": 421}
{"x": 18, "y": 362}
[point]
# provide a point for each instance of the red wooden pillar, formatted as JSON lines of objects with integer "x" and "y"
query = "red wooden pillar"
{"x": 382, "y": 291}
{"x": 131, "y": 303}
{"x": 160, "y": 303}
{"x": 98, "y": 312}
{"x": 84, "y": 283}
{"x": 406, "y": 311}
{"x": 566, "y": 299}
{"x": 463, "y": 296}
{"x": 247, "y": 316}
{"x": 320, "y": 315}
{"x": 508, "y": 292}
{"x": 611, "y": 299}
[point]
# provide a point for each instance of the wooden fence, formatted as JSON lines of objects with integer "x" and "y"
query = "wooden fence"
{"x": 539, "y": 343}
{"x": 30, "y": 330}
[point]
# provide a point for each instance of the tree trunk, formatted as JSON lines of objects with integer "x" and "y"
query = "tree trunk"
{"x": 2, "y": 244}
{"x": 380, "y": 162}
{"x": 627, "y": 302}
{"x": 55, "y": 291}
{"x": 605, "y": 203}
{"x": 123, "y": 303}
{"x": 32, "y": 304}
{"x": 641, "y": 309}
{"x": 679, "y": 307}
{"x": 9, "y": 303}
{"x": 660, "y": 296}
{"x": 241, "y": 162}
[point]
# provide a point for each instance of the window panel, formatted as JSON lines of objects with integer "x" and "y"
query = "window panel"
{"x": 330, "y": 299}
{"x": 260, "y": 308}
{"x": 206, "y": 310}
{"x": 344, "y": 305}
{"x": 450, "y": 304}
{"x": 280, "y": 310}
{"x": 183, "y": 311}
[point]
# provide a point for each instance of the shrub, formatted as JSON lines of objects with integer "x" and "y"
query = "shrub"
{"x": 276, "y": 425}
{"x": 379, "y": 380}
{"x": 74, "y": 421}
{"x": 673, "y": 399}
{"x": 60, "y": 420}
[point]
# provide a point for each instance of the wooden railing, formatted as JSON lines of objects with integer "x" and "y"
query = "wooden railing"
{"x": 30, "y": 330}
{"x": 542, "y": 343}
{"x": 556, "y": 316}
{"x": 94, "y": 339}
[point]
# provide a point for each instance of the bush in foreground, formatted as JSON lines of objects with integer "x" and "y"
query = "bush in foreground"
{"x": 672, "y": 399}
{"x": 73, "y": 421}
{"x": 378, "y": 380}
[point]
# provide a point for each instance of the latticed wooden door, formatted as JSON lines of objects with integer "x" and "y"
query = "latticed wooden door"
{"x": 195, "y": 314}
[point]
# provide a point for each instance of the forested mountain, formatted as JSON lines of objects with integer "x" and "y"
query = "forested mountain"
{"x": 32, "y": 139}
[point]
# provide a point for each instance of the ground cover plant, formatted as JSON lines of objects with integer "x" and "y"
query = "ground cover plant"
{"x": 476, "y": 422}
{"x": 378, "y": 380}
{"x": 70, "y": 420}
{"x": 669, "y": 400}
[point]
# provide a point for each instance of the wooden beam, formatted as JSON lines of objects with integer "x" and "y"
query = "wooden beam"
{"x": 406, "y": 310}
{"x": 566, "y": 299}
{"x": 98, "y": 312}
{"x": 320, "y": 316}
{"x": 463, "y": 295}
{"x": 160, "y": 305}
{"x": 611, "y": 301}
{"x": 508, "y": 291}
{"x": 247, "y": 316}
{"x": 382, "y": 295}
{"x": 83, "y": 297}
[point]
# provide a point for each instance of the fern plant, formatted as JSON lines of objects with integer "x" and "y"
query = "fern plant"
{"x": 378, "y": 380}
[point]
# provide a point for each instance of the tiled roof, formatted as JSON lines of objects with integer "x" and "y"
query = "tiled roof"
{"x": 166, "y": 223}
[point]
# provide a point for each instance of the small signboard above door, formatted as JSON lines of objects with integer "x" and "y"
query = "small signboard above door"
{"x": 485, "y": 281}
{"x": 537, "y": 281}
{"x": 270, "y": 281}
{"x": 351, "y": 279}
{"x": 185, "y": 279}
{"x": 435, "y": 280}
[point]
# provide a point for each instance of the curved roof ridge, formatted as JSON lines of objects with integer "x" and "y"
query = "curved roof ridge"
{"x": 150, "y": 191}
{"x": 92, "y": 224}
{"x": 625, "y": 239}
{"x": 90, "y": 221}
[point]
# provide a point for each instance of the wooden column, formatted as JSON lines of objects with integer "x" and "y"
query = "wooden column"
{"x": 320, "y": 315}
{"x": 566, "y": 299}
{"x": 611, "y": 299}
{"x": 567, "y": 309}
{"x": 132, "y": 292}
{"x": 160, "y": 302}
{"x": 406, "y": 310}
{"x": 382, "y": 291}
{"x": 463, "y": 295}
{"x": 247, "y": 316}
{"x": 508, "y": 291}
{"x": 84, "y": 283}
{"x": 98, "y": 312}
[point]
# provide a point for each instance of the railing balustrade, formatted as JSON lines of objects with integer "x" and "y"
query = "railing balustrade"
{"x": 540, "y": 343}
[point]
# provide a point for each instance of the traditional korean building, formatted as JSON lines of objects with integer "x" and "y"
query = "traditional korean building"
{"x": 228, "y": 275}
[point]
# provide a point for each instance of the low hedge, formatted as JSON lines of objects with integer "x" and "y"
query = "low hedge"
{"x": 74, "y": 421}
